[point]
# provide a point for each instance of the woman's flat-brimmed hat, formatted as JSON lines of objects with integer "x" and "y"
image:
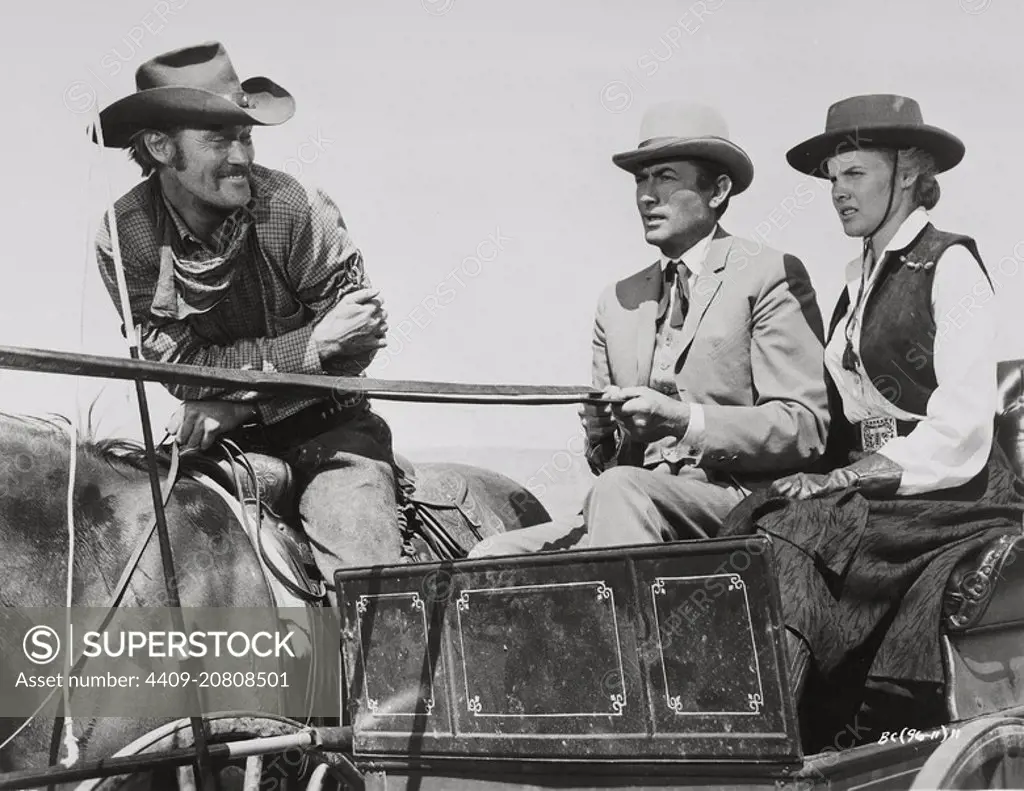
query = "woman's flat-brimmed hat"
{"x": 875, "y": 121}
{"x": 194, "y": 87}
{"x": 676, "y": 130}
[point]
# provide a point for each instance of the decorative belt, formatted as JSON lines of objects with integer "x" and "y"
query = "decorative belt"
{"x": 871, "y": 434}
{"x": 294, "y": 429}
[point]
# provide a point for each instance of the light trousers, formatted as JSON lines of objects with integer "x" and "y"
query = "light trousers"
{"x": 630, "y": 505}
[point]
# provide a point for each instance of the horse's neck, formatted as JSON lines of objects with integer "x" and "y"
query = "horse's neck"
{"x": 110, "y": 514}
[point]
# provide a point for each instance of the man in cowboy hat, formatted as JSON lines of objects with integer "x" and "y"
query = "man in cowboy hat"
{"x": 234, "y": 265}
{"x": 710, "y": 358}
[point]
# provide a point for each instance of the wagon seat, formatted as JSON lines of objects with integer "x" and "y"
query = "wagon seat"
{"x": 983, "y": 635}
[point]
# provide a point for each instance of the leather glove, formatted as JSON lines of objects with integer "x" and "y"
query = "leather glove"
{"x": 874, "y": 474}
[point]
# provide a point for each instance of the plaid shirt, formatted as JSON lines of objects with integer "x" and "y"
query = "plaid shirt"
{"x": 299, "y": 263}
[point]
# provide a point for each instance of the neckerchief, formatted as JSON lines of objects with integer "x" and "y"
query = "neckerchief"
{"x": 195, "y": 284}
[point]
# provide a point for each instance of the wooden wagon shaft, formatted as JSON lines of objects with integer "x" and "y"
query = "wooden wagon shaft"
{"x": 113, "y": 767}
{"x": 324, "y": 741}
{"x": 100, "y": 366}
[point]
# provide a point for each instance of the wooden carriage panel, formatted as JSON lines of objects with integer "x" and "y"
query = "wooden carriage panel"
{"x": 985, "y": 670}
{"x": 669, "y": 652}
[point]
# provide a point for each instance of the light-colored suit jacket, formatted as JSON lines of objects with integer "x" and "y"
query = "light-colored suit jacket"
{"x": 751, "y": 353}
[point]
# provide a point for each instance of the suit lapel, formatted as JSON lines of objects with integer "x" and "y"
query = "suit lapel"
{"x": 706, "y": 288}
{"x": 646, "y": 317}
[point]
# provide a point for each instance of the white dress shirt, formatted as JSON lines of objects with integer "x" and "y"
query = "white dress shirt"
{"x": 951, "y": 442}
{"x": 691, "y": 446}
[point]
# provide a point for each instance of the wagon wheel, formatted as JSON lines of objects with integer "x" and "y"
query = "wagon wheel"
{"x": 987, "y": 753}
{"x": 288, "y": 770}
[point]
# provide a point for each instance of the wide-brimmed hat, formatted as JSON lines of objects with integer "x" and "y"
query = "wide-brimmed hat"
{"x": 194, "y": 87}
{"x": 878, "y": 120}
{"x": 677, "y": 130}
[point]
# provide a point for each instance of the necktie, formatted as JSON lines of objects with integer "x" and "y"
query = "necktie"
{"x": 677, "y": 275}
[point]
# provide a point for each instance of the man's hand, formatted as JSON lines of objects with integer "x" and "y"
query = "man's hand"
{"x": 357, "y": 324}
{"x": 597, "y": 422}
{"x": 647, "y": 415}
{"x": 197, "y": 424}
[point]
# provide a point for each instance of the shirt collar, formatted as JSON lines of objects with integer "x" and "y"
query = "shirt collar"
{"x": 908, "y": 231}
{"x": 695, "y": 257}
{"x": 179, "y": 224}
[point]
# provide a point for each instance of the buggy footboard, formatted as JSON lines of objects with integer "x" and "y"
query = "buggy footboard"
{"x": 657, "y": 661}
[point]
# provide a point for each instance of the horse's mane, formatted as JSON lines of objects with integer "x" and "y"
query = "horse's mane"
{"x": 51, "y": 423}
{"x": 118, "y": 452}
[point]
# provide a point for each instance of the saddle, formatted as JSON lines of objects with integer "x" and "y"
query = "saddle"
{"x": 439, "y": 517}
{"x": 265, "y": 488}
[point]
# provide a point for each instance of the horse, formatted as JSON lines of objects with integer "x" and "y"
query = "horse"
{"x": 113, "y": 510}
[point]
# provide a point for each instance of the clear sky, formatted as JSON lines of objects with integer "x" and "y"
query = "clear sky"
{"x": 468, "y": 144}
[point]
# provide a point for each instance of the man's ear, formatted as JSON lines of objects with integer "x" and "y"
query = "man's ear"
{"x": 723, "y": 186}
{"x": 161, "y": 145}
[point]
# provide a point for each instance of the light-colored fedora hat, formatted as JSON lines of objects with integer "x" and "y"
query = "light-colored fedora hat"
{"x": 877, "y": 120}
{"x": 678, "y": 130}
{"x": 194, "y": 85}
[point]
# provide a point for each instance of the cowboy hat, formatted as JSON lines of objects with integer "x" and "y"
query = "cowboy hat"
{"x": 877, "y": 120}
{"x": 194, "y": 86}
{"x": 676, "y": 130}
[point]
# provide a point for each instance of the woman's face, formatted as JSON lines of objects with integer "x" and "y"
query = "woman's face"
{"x": 861, "y": 181}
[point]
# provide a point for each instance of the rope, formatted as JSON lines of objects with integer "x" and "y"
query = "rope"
{"x": 70, "y": 742}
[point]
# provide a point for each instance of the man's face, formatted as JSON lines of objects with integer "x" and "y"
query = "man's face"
{"x": 860, "y": 189}
{"x": 212, "y": 165}
{"x": 674, "y": 211}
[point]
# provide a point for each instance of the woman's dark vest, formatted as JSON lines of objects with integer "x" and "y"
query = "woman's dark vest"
{"x": 897, "y": 343}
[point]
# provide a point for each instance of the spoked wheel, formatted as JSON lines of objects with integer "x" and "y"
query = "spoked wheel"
{"x": 987, "y": 753}
{"x": 288, "y": 769}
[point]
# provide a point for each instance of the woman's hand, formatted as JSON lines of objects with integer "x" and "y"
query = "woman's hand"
{"x": 872, "y": 474}
{"x": 877, "y": 475}
{"x": 807, "y": 485}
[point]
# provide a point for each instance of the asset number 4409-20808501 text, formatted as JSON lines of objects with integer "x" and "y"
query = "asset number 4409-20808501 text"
{"x": 250, "y": 679}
